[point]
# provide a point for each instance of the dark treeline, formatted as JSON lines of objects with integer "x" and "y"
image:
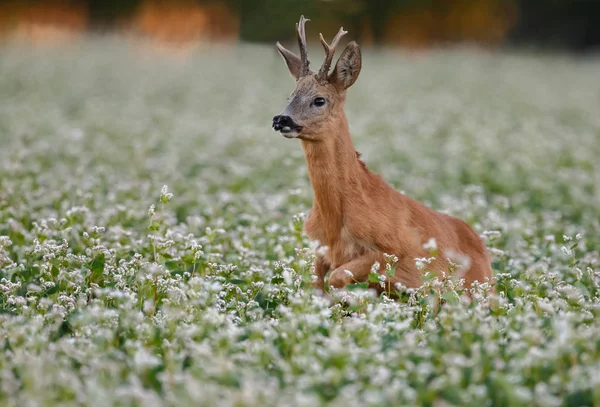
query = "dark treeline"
{"x": 574, "y": 24}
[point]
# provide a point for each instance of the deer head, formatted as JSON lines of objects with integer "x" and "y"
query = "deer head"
{"x": 318, "y": 100}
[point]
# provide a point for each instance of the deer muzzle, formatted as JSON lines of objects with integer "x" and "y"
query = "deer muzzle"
{"x": 286, "y": 126}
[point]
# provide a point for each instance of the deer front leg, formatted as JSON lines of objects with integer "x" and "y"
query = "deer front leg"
{"x": 355, "y": 271}
{"x": 322, "y": 267}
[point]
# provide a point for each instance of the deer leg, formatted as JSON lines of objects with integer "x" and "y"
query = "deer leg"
{"x": 355, "y": 271}
{"x": 322, "y": 267}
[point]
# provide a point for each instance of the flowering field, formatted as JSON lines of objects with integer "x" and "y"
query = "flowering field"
{"x": 151, "y": 250}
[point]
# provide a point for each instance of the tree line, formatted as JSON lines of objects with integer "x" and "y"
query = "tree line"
{"x": 574, "y": 24}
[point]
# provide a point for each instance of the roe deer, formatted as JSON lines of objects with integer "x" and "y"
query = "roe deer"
{"x": 355, "y": 213}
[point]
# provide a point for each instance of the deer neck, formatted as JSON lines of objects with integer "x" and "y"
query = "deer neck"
{"x": 335, "y": 173}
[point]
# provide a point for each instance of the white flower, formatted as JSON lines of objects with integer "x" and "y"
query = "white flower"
{"x": 144, "y": 359}
{"x": 430, "y": 245}
{"x": 164, "y": 195}
{"x": 322, "y": 250}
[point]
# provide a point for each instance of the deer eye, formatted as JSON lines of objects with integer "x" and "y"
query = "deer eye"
{"x": 319, "y": 102}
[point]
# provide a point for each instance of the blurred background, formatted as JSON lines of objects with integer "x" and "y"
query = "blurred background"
{"x": 572, "y": 25}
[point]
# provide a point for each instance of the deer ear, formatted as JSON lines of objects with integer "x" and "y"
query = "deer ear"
{"x": 291, "y": 60}
{"x": 347, "y": 67}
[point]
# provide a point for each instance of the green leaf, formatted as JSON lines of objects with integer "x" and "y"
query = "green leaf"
{"x": 236, "y": 281}
{"x": 428, "y": 277}
{"x": 187, "y": 362}
{"x": 172, "y": 265}
{"x": 358, "y": 286}
{"x": 450, "y": 297}
{"x": 51, "y": 290}
{"x": 65, "y": 328}
{"x": 97, "y": 268}
{"x": 583, "y": 288}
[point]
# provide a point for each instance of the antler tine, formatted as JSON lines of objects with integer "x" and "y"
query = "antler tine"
{"x": 329, "y": 53}
{"x": 301, "y": 35}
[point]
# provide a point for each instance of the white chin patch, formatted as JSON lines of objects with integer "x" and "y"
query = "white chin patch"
{"x": 289, "y": 133}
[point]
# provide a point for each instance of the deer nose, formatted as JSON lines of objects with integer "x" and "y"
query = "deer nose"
{"x": 281, "y": 122}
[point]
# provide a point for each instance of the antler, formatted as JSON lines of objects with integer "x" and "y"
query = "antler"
{"x": 301, "y": 35}
{"x": 329, "y": 53}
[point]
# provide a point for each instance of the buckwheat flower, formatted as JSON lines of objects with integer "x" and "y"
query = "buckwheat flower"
{"x": 390, "y": 258}
{"x": 430, "y": 245}
{"x": 566, "y": 251}
{"x": 148, "y": 307}
{"x": 165, "y": 196}
{"x": 151, "y": 211}
{"x": 34, "y": 288}
{"x": 144, "y": 359}
{"x": 322, "y": 250}
{"x": 422, "y": 262}
{"x": 545, "y": 305}
{"x": 496, "y": 252}
{"x": 348, "y": 273}
{"x": 458, "y": 260}
{"x": 98, "y": 229}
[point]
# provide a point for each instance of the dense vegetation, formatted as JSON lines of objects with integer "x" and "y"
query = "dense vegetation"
{"x": 151, "y": 249}
{"x": 566, "y": 23}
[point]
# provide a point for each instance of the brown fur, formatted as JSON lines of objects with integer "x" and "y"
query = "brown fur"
{"x": 355, "y": 213}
